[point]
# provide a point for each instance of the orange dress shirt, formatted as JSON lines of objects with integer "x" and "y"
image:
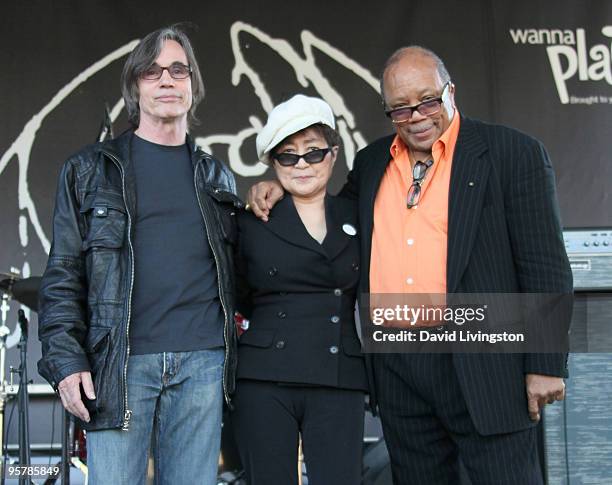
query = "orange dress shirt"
{"x": 409, "y": 246}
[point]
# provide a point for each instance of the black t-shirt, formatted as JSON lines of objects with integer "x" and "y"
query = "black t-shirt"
{"x": 175, "y": 301}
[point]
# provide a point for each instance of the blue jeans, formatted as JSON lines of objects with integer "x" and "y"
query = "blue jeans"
{"x": 178, "y": 395}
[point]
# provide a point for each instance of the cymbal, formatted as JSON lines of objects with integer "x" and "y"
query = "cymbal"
{"x": 5, "y": 286}
{"x": 25, "y": 291}
{"x": 6, "y": 281}
{"x": 8, "y": 276}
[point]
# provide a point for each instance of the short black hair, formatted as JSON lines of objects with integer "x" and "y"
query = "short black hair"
{"x": 331, "y": 136}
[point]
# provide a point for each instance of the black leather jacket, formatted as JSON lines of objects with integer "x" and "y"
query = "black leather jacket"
{"x": 85, "y": 295}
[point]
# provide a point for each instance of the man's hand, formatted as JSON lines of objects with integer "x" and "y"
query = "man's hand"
{"x": 542, "y": 390}
{"x": 263, "y": 196}
{"x": 70, "y": 393}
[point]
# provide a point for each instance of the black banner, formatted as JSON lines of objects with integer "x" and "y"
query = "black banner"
{"x": 541, "y": 67}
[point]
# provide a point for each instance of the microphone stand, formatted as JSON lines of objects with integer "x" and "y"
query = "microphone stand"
{"x": 4, "y": 332}
{"x": 23, "y": 400}
{"x": 67, "y": 439}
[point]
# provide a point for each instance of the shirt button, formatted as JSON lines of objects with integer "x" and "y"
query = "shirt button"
{"x": 272, "y": 271}
{"x": 337, "y": 292}
{"x": 355, "y": 267}
{"x": 280, "y": 344}
{"x": 409, "y": 281}
{"x": 335, "y": 319}
{"x": 333, "y": 349}
{"x": 410, "y": 242}
{"x": 281, "y": 314}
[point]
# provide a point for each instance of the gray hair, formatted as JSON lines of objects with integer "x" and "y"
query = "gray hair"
{"x": 143, "y": 56}
{"x": 401, "y": 52}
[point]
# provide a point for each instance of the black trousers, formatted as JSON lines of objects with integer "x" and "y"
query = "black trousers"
{"x": 268, "y": 417}
{"x": 427, "y": 428}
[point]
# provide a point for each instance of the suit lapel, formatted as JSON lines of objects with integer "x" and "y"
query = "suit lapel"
{"x": 285, "y": 222}
{"x": 467, "y": 188}
{"x": 369, "y": 188}
{"x": 340, "y": 217}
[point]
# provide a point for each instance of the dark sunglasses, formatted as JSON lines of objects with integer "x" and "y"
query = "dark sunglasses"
{"x": 176, "y": 71}
{"x": 289, "y": 159}
{"x": 418, "y": 174}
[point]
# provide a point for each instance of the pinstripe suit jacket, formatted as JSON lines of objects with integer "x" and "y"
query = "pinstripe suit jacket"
{"x": 504, "y": 235}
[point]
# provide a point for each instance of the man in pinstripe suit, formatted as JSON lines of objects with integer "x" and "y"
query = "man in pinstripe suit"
{"x": 480, "y": 215}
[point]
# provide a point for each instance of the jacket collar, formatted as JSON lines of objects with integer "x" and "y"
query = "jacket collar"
{"x": 468, "y": 184}
{"x": 341, "y": 217}
{"x": 119, "y": 148}
{"x": 286, "y": 223}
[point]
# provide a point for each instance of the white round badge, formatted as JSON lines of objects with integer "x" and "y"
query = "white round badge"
{"x": 349, "y": 229}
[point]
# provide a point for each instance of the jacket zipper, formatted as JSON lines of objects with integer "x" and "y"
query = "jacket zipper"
{"x": 127, "y": 415}
{"x": 212, "y": 247}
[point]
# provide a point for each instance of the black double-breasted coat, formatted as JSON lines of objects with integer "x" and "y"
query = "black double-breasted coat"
{"x": 299, "y": 296}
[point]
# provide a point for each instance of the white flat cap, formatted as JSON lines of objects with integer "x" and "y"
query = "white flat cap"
{"x": 290, "y": 117}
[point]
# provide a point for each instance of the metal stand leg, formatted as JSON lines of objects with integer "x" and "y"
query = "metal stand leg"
{"x": 4, "y": 332}
{"x": 66, "y": 440}
{"x": 23, "y": 399}
{"x": 2, "y": 463}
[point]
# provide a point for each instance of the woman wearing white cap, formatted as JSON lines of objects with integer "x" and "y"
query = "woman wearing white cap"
{"x": 300, "y": 368}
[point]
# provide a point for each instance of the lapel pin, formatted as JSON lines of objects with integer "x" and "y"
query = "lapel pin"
{"x": 471, "y": 184}
{"x": 349, "y": 229}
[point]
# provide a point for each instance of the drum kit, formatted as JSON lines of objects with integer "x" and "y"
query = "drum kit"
{"x": 24, "y": 291}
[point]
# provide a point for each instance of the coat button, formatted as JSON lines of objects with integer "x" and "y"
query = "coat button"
{"x": 272, "y": 271}
{"x": 335, "y": 319}
{"x": 355, "y": 267}
{"x": 281, "y": 314}
{"x": 333, "y": 349}
{"x": 280, "y": 344}
{"x": 337, "y": 292}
